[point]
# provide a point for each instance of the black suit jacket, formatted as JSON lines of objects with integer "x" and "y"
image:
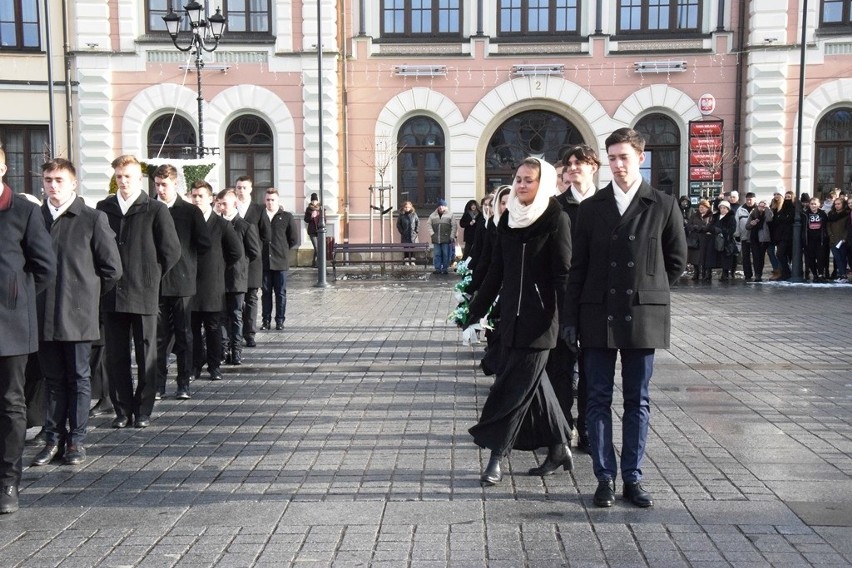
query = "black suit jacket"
{"x": 149, "y": 247}
{"x": 237, "y": 275}
{"x": 226, "y": 249}
{"x": 194, "y": 241}
{"x": 27, "y": 266}
{"x": 283, "y": 236}
{"x": 622, "y": 269}
{"x": 256, "y": 215}
{"x": 88, "y": 264}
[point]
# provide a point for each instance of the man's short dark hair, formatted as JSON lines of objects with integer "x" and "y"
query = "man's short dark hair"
{"x": 59, "y": 164}
{"x": 627, "y": 135}
{"x": 166, "y": 171}
{"x": 244, "y": 178}
{"x": 224, "y": 192}
{"x": 201, "y": 184}
{"x": 272, "y": 190}
{"x": 583, "y": 153}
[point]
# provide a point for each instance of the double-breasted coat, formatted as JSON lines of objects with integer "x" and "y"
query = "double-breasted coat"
{"x": 27, "y": 266}
{"x": 226, "y": 249}
{"x": 622, "y": 269}
{"x": 194, "y": 241}
{"x": 283, "y": 235}
{"x": 88, "y": 264}
{"x": 149, "y": 247}
{"x": 256, "y": 216}
{"x": 237, "y": 275}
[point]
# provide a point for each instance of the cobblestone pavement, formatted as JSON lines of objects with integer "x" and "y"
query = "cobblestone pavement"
{"x": 342, "y": 441}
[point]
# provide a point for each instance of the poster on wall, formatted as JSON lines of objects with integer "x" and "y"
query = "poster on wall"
{"x": 706, "y": 158}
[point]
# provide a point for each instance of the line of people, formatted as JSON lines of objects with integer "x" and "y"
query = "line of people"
{"x": 79, "y": 284}
{"x": 721, "y": 232}
{"x": 579, "y": 275}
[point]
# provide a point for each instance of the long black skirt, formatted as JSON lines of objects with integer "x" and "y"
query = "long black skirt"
{"x": 521, "y": 411}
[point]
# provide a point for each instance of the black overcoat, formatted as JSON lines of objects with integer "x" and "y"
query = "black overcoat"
{"x": 27, "y": 266}
{"x": 529, "y": 269}
{"x": 283, "y": 235}
{"x": 256, "y": 215}
{"x": 87, "y": 265}
{"x": 194, "y": 241}
{"x": 622, "y": 270}
{"x": 149, "y": 247}
{"x": 225, "y": 250}
{"x": 237, "y": 274}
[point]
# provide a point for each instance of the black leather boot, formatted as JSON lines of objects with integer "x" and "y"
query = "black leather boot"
{"x": 696, "y": 274}
{"x": 558, "y": 455}
{"x": 492, "y": 474}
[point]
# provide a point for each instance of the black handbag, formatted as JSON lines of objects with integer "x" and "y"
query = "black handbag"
{"x": 719, "y": 242}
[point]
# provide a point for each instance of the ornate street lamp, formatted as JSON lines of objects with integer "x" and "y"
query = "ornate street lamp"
{"x": 204, "y": 31}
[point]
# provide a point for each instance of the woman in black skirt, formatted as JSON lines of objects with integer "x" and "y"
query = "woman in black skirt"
{"x": 529, "y": 269}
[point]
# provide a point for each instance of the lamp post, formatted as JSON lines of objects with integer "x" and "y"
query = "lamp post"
{"x": 321, "y": 252}
{"x": 796, "y": 273}
{"x": 203, "y": 32}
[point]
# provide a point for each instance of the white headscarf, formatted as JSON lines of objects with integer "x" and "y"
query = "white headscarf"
{"x": 503, "y": 189}
{"x": 520, "y": 215}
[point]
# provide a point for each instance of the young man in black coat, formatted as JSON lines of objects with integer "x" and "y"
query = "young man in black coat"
{"x": 88, "y": 264}
{"x": 174, "y": 326}
{"x": 208, "y": 304}
{"x": 253, "y": 214}
{"x": 149, "y": 247}
{"x": 27, "y": 266}
{"x": 629, "y": 249}
{"x": 237, "y": 275}
{"x": 283, "y": 236}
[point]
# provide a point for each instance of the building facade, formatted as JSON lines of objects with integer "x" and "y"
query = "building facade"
{"x": 422, "y": 99}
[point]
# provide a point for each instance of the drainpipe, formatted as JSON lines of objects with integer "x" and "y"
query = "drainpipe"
{"x": 739, "y": 96}
{"x": 69, "y": 118}
{"x": 50, "y": 98}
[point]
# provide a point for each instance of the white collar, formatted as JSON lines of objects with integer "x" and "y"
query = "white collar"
{"x": 57, "y": 212}
{"x": 125, "y": 205}
{"x": 579, "y": 197}
{"x": 623, "y": 199}
{"x": 232, "y": 217}
{"x": 242, "y": 207}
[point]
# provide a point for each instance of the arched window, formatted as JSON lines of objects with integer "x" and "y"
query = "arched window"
{"x": 420, "y": 165}
{"x": 248, "y": 152}
{"x": 171, "y": 138}
{"x": 834, "y": 152}
{"x": 536, "y": 133}
{"x": 662, "y": 152}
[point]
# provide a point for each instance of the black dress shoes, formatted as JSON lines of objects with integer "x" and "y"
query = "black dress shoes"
{"x": 605, "y": 494}
{"x": 279, "y": 326}
{"x": 215, "y": 375}
{"x": 182, "y": 393}
{"x": 74, "y": 455}
{"x": 38, "y": 440}
{"x": 142, "y": 421}
{"x": 492, "y": 474}
{"x": 8, "y": 499}
{"x": 103, "y": 406}
{"x": 46, "y": 455}
{"x": 196, "y": 374}
{"x": 557, "y": 456}
{"x": 264, "y": 326}
{"x": 636, "y": 494}
{"x": 120, "y": 422}
{"x": 250, "y": 342}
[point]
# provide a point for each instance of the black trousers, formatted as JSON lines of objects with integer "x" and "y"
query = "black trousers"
{"x": 249, "y": 320}
{"x": 119, "y": 328}
{"x": 206, "y": 332}
{"x": 748, "y": 271}
{"x": 13, "y": 418}
{"x": 67, "y": 375}
{"x": 100, "y": 384}
{"x": 34, "y": 391}
{"x": 174, "y": 333}
{"x": 560, "y": 371}
{"x": 232, "y": 318}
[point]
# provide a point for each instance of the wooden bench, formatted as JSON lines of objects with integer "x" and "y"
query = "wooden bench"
{"x": 380, "y": 254}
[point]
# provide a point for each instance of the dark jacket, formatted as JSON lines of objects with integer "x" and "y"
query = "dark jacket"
{"x": 256, "y": 215}
{"x": 781, "y": 226}
{"x": 408, "y": 225}
{"x": 194, "y": 241}
{"x": 838, "y": 225}
{"x": 237, "y": 274}
{"x": 485, "y": 249}
{"x": 814, "y": 229}
{"x": 725, "y": 226}
{"x": 529, "y": 269}
{"x": 312, "y": 222}
{"x": 88, "y": 265}
{"x": 225, "y": 250}
{"x": 622, "y": 269}
{"x": 27, "y": 266}
{"x": 468, "y": 223}
{"x": 149, "y": 247}
{"x": 283, "y": 236}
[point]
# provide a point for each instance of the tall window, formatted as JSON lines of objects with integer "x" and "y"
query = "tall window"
{"x": 170, "y": 138}
{"x": 421, "y": 18}
{"x": 836, "y": 13}
{"x": 420, "y": 164}
{"x": 539, "y": 17}
{"x": 248, "y": 152}
{"x": 662, "y": 150}
{"x": 27, "y": 148}
{"x": 834, "y": 151}
{"x": 244, "y": 16}
{"x": 19, "y": 26}
{"x": 651, "y": 16}
{"x": 536, "y": 133}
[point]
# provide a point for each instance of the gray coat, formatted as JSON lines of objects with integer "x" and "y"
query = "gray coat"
{"x": 622, "y": 269}
{"x": 88, "y": 264}
{"x": 27, "y": 266}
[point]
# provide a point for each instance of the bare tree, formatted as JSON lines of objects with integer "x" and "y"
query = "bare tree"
{"x": 381, "y": 152}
